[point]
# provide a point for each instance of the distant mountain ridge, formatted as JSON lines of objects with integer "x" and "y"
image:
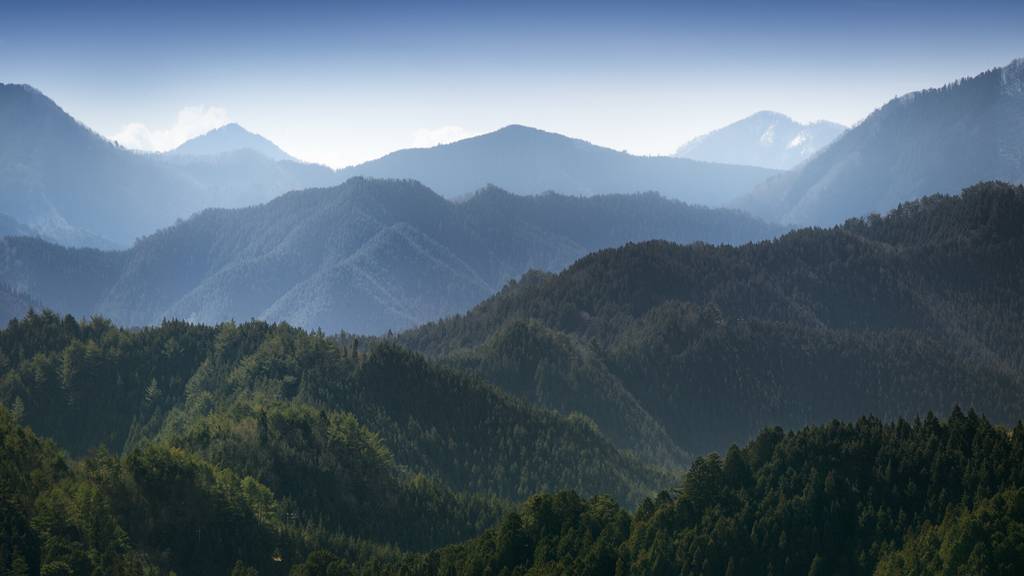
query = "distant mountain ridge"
{"x": 934, "y": 141}
{"x": 230, "y": 138}
{"x": 72, "y": 186}
{"x": 767, "y": 139}
{"x": 528, "y": 161}
{"x": 366, "y": 256}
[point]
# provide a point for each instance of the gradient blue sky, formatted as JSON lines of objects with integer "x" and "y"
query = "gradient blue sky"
{"x": 340, "y": 83}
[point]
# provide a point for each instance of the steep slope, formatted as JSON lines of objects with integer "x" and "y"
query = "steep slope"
{"x": 367, "y": 256}
{"x": 74, "y": 187}
{"x": 767, "y": 139}
{"x": 229, "y": 138}
{"x": 930, "y": 142}
{"x": 528, "y": 161}
{"x": 889, "y": 316}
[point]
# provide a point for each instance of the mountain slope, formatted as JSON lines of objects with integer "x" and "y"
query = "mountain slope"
{"x": 367, "y": 256}
{"x": 204, "y": 388}
{"x": 229, "y": 138}
{"x": 929, "y": 142}
{"x": 74, "y": 187}
{"x": 766, "y": 139}
{"x": 714, "y": 343}
{"x": 921, "y": 497}
{"x": 528, "y": 161}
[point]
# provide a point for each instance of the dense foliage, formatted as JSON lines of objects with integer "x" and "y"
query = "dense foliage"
{"x": 922, "y": 497}
{"x": 702, "y": 346}
{"x": 87, "y": 384}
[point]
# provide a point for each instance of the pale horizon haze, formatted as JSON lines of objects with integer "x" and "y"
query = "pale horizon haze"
{"x": 340, "y": 84}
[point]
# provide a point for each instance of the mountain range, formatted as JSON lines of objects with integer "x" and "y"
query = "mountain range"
{"x": 935, "y": 141}
{"x": 72, "y": 186}
{"x": 527, "y": 161}
{"x": 252, "y": 446}
{"x": 367, "y": 256}
{"x": 767, "y": 139}
{"x": 69, "y": 185}
{"x": 686, "y": 349}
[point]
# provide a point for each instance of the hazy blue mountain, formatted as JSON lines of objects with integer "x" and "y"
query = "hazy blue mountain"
{"x": 528, "y": 161}
{"x": 229, "y": 138}
{"x": 927, "y": 142}
{"x": 767, "y": 139}
{"x": 366, "y": 256}
{"x": 11, "y": 227}
{"x": 14, "y": 304}
{"x": 73, "y": 186}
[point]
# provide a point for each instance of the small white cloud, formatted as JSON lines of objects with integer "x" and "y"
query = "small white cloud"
{"x": 427, "y": 137}
{"x": 192, "y": 121}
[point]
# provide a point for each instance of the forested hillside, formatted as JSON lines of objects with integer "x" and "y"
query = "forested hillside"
{"x": 705, "y": 345}
{"x": 366, "y": 257}
{"x": 212, "y": 389}
{"x": 547, "y": 430}
{"x": 921, "y": 497}
{"x": 907, "y": 498}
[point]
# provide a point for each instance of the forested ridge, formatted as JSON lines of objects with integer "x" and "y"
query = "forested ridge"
{"x": 352, "y": 448}
{"x": 655, "y": 409}
{"x": 890, "y": 315}
{"x": 909, "y": 498}
{"x": 920, "y": 497}
{"x": 366, "y": 256}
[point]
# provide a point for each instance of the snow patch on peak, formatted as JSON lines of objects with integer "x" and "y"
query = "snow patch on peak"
{"x": 797, "y": 141}
{"x": 768, "y": 138}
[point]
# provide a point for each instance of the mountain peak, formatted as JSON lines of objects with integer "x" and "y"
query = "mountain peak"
{"x": 230, "y": 138}
{"x": 766, "y": 138}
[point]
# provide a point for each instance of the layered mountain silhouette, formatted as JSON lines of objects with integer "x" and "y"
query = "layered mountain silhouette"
{"x": 229, "y": 138}
{"x": 528, "y": 161}
{"x": 674, "y": 348}
{"x": 71, "y": 185}
{"x": 927, "y": 142}
{"x": 767, "y": 139}
{"x": 367, "y": 256}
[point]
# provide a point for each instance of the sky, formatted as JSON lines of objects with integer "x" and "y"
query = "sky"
{"x": 340, "y": 83}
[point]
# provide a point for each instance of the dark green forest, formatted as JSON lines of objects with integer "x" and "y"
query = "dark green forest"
{"x": 686, "y": 349}
{"x": 921, "y": 497}
{"x": 843, "y": 401}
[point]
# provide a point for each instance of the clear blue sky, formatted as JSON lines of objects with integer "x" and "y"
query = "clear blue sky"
{"x": 340, "y": 83}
